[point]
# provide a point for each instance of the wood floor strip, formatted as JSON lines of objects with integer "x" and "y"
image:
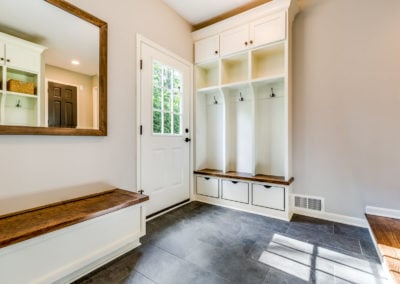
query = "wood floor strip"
{"x": 387, "y": 235}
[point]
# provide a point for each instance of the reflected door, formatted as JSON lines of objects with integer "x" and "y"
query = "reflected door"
{"x": 165, "y": 144}
{"x": 63, "y": 107}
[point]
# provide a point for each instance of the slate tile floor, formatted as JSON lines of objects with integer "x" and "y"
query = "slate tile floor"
{"x": 201, "y": 243}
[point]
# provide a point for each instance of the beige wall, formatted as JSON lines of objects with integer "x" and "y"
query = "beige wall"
{"x": 85, "y": 86}
{"x": 53, "y": 168}
{"x": 347, "y": 103}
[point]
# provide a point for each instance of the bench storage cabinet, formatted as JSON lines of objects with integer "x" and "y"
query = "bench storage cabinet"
{"x": 62, "y": 242}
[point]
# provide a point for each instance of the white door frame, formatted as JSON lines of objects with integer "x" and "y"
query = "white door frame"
{"x": 139, "y": 40}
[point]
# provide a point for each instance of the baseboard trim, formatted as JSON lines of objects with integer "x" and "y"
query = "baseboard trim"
{"x": 384, "y": 212}
{"x": 333, "y": 217}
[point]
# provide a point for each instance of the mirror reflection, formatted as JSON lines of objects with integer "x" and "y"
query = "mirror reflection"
{"x": 49, "y": 67}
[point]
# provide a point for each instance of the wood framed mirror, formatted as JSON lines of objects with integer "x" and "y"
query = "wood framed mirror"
{"x": 53, "y": 69}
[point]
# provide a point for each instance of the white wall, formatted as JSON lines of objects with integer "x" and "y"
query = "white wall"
{"x": 40, "y": 169}
{"x": 347, "y": 103}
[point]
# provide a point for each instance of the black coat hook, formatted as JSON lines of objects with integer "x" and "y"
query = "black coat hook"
{"x": 241, "y": 99}
{"x": 215, "y": 101}
{"x": 272, "y": 95}
{"x": 18, "y": 104}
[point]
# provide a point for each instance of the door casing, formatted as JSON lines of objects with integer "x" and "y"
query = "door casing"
{"x": 139, "y": 40}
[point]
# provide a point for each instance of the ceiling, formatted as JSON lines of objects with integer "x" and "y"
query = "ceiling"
{"x": 199, "y": 11}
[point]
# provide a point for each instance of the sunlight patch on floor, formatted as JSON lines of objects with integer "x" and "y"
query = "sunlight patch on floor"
{"x": 306, "y": 261}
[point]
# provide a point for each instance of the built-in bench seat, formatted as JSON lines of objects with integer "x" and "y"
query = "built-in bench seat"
{"x": 387, "y": 236}
{"x": 62, "y": 241}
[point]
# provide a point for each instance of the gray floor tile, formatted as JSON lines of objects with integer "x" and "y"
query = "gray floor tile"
{"x": 136, "y": 278}
{"x": 312, "y": 224}
{"x": 202, "y": 243}
{"x": 277, "y": 276}
{"x": 228, "y": 264}
{"x": 351, "y": 231}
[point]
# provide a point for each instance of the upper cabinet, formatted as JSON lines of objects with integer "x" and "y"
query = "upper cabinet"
{"x": 260, "y": 32}
{"x": 235, "y": 40}
{"x": 207, "y": 49}
{"x": 268, "y": 29}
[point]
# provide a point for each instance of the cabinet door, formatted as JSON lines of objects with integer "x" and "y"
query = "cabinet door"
{"x": 235, "y": 191}
{"x": 22, "y": 58}
{"x": 234, "y": 40}
{"x": 2, "y": 54}
{"x": 268, "y": 29}
{"x": 206, "y": 49}
{"x": 207, "y": 186}
{"x": 269, "y": 196}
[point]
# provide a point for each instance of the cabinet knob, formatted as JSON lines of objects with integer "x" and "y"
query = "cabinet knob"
{"x": 246, "y": 43}
{"x": 8, "y": 60}
{"x": 2, "y": 58}
{"x": 216, "y": 52}
{"x": 251, "y": 42}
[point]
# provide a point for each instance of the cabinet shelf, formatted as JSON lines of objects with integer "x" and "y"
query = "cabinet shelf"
{"x": 207, "y": 90}
{"x": 31, "y": 96}
{"x": 207, "y": 75}
{"x": 268, "y": 61}
{"x": 245, "y": 176}
{"x": 235, "y": 69}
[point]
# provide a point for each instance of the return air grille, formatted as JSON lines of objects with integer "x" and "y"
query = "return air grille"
{"x": 309, "y": 203}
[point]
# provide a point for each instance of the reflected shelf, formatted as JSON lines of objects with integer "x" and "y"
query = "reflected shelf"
{"x": 32, "y": 96}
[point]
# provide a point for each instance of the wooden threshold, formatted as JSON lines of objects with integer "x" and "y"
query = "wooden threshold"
{"x": 245, "y": 176}
{"x": 387, "y": 235}
{"x": 23, "y": 225}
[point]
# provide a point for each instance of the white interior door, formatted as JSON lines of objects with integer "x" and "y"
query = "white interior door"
{"x": 165, "y": 88}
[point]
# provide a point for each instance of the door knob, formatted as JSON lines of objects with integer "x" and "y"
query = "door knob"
{"x": 187, "y": 140}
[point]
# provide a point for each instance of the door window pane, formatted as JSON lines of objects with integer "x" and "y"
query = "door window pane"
{"x": 167, "y": 122}
{"x": 177, "y": 124}
{"x": 157, "y": 122}
{"x": 167, "y": 99}
{"x": 157, "y": 96}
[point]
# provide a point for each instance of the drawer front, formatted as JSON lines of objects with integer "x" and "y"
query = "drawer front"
{"x": 269, "y": 196}
{"x": 207, "y": 186}
{"x": 235, "y": 191}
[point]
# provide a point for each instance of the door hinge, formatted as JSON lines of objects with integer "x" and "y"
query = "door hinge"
{"x": 141, "y": 64}
{"x": 141, "y": 129}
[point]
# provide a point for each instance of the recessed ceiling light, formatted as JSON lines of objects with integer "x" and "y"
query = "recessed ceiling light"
{"x": 75, "y": 62}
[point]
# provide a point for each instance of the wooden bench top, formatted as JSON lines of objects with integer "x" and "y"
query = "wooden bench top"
{"x": 387, "y": 235}
{"x": 23, "y": 225}
{"x": 245, "y": 176}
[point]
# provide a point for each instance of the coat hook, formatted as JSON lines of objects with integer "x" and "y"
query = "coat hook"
{"x": 19, "y": 103}
{"x": 272, "y": 95}
{"x": 241, "y": 99}
{"x": 215, "y": 101}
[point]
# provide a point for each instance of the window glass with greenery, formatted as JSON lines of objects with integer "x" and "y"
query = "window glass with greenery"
{"x": 167, "y": 100}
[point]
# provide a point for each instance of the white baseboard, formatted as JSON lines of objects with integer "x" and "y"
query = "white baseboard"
{"x": 385, "y": 212}
{"x": 333, "y": 217}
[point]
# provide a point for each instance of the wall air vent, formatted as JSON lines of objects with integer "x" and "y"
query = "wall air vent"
{"x": 309, "y": 203}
